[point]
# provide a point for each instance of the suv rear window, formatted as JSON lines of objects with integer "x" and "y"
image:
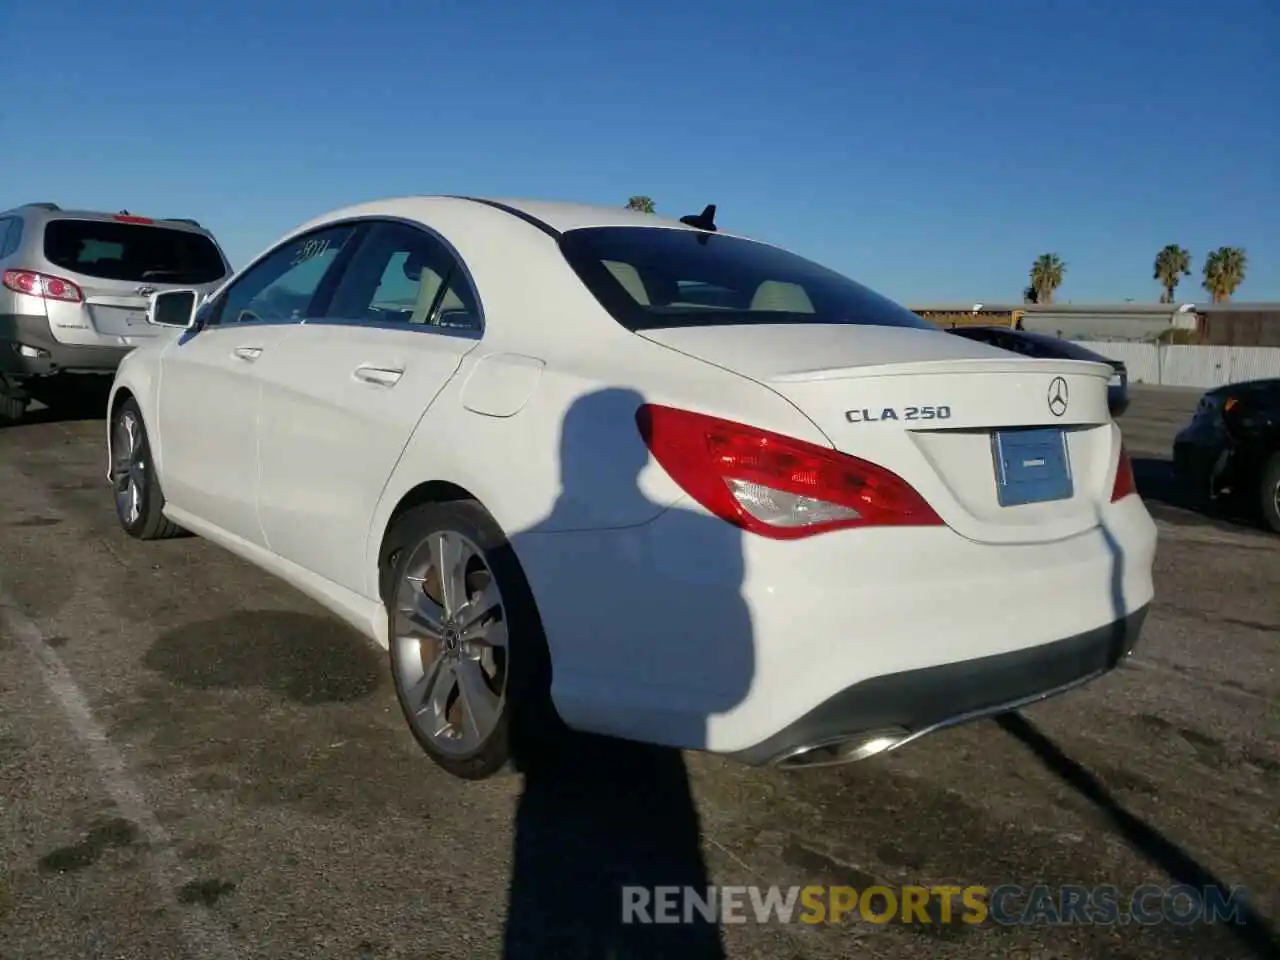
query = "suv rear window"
{"x": 655, "y": 277}
{"x": 132, "y": 252}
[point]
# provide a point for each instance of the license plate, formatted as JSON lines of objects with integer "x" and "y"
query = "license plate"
{"x": 1031, "y": 466}
{"x": 119, "y": 321}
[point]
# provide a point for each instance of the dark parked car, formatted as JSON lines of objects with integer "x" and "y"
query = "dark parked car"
{"x": 1051, "y": 348}
{"x": 1232, "y": 446}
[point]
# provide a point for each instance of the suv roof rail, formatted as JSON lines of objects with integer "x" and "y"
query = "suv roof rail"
{"x": 43, "y": 206}
{"x": 194, "y": 223}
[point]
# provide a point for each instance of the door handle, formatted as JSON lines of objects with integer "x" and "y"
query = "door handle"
{"x": 247, "y": 353}
{"x": 382, "y": 376}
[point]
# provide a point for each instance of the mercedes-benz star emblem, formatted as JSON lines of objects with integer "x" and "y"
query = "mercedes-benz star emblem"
{"x": 1058, "y": 395}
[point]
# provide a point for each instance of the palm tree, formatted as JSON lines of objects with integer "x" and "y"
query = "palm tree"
{"x": 1224, "y": 272}
{"x": 1046, "y": 276}
{"x": 1172, "y": 264}
{"x": 642, "y": 203}
{"x": 1028, "y": 294}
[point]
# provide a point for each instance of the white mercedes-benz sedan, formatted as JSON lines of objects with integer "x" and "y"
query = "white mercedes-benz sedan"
{"x": 591, "y": 469}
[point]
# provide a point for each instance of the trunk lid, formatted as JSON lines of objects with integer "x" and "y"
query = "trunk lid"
{"x": 1006, "y": 448}
{"x": 112, "y": 313}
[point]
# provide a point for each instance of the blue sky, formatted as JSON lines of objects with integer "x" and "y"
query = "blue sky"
{"x": 848, "y": 131}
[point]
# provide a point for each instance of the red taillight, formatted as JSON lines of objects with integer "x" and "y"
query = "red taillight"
{"x": 129, "y": 218}
{"x": 1125, "y": 484}
{"x": 42, "y": 285}
{"x": 773, "y": 485}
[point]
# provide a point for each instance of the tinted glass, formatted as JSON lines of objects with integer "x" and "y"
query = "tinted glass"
{"x": 280, "y": 287}
{"x": 132, "y": 252}
{"x": 8, "y": 238}
{"x": 405, "y": 275}
{"x": 653, "y": 277}
{"x": 992, "y": 337}
{"x": 1030, "y": 344}
{"x": 1043, "y": 345}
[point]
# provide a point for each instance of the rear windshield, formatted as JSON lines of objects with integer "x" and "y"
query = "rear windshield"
{"x": 132, "y": 252}
{"x": 1066, "y": 349}
{"x": 1033, "y": 344}
{"x": 654, "y": 277}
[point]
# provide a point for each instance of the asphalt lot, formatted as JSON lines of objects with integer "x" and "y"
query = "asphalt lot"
{"x": 196, "y": 761}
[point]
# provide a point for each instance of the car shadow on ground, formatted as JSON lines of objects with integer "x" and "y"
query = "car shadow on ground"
{"x": 602, "y": 823}
{"x": 1168, "y": 500}
{"x": 38, "y": 415}
{"x": 79, "y": 402}
{"x": 1251, "y": 928}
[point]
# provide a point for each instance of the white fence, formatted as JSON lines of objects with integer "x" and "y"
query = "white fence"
{"x": 1183, "y": 366}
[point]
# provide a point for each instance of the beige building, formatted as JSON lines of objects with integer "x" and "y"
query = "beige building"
{"x": 1226, "y": 324}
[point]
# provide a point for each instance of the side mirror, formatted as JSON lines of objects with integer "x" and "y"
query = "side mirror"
{"x": 173, "y": 308}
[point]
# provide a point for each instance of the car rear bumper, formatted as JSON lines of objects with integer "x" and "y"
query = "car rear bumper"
{"x": 887, "y": 712}
{"x": 28, "y": 349}
{"x": 684, "y": 631}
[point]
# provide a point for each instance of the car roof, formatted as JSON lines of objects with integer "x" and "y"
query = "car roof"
{"x": 42, "y": 214}
{"x": 564, "y": 216}
{"x": 1262, "y": 385}
{"x": 552, "y": 215}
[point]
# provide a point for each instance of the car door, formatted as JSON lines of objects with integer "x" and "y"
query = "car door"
{"x": 210, "y": 382}
{"x": 352, "y": 384}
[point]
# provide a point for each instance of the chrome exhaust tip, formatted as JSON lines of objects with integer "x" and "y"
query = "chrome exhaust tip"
{"x": 842, "y": 750}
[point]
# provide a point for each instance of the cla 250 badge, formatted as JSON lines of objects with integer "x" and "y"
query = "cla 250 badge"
{"x": 866, "y": 415}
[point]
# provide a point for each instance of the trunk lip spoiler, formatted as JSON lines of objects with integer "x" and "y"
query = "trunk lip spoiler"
{"x": 943, "y": 367}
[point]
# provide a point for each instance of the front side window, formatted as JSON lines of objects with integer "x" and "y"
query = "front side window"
{"x": 280, "y": 287}
{"x": 132, "y": 252}
{"x": 655, "y": 277}
{"x": 402, "y": 275}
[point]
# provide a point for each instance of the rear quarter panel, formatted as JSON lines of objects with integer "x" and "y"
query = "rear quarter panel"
{"x": 572, "y": 458}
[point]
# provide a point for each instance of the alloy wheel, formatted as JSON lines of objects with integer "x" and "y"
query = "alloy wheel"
{"x": 129, "y": 467}
{"x": 449, "y": 634}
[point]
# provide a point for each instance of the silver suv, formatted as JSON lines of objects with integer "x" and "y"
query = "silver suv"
{"x": 74, "y": 297}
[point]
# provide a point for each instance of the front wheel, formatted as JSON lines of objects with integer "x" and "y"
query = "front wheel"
{"x": 1269, "y": 493}
{"x": 468, "y": 656}
{"x": 139, "y": 499}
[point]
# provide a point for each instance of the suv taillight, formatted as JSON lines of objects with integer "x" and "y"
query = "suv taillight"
{"x": 42, "y": 285}
{"x": 773, "y": 485}
{"x": 1125, "y": 484}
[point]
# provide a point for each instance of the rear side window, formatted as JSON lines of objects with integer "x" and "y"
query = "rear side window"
{"x": 135, "y": 253}
{"x": 10, "y": 235}
{"x": 654, "y": 277}
{"x": 404, "y": 275}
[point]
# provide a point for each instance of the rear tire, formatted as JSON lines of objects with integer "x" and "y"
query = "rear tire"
{"x": 1269, "y": 493}
{"x": 470, "y": 666}
{"x": 138, "y": 497}
{"x": 13, "y": 404}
